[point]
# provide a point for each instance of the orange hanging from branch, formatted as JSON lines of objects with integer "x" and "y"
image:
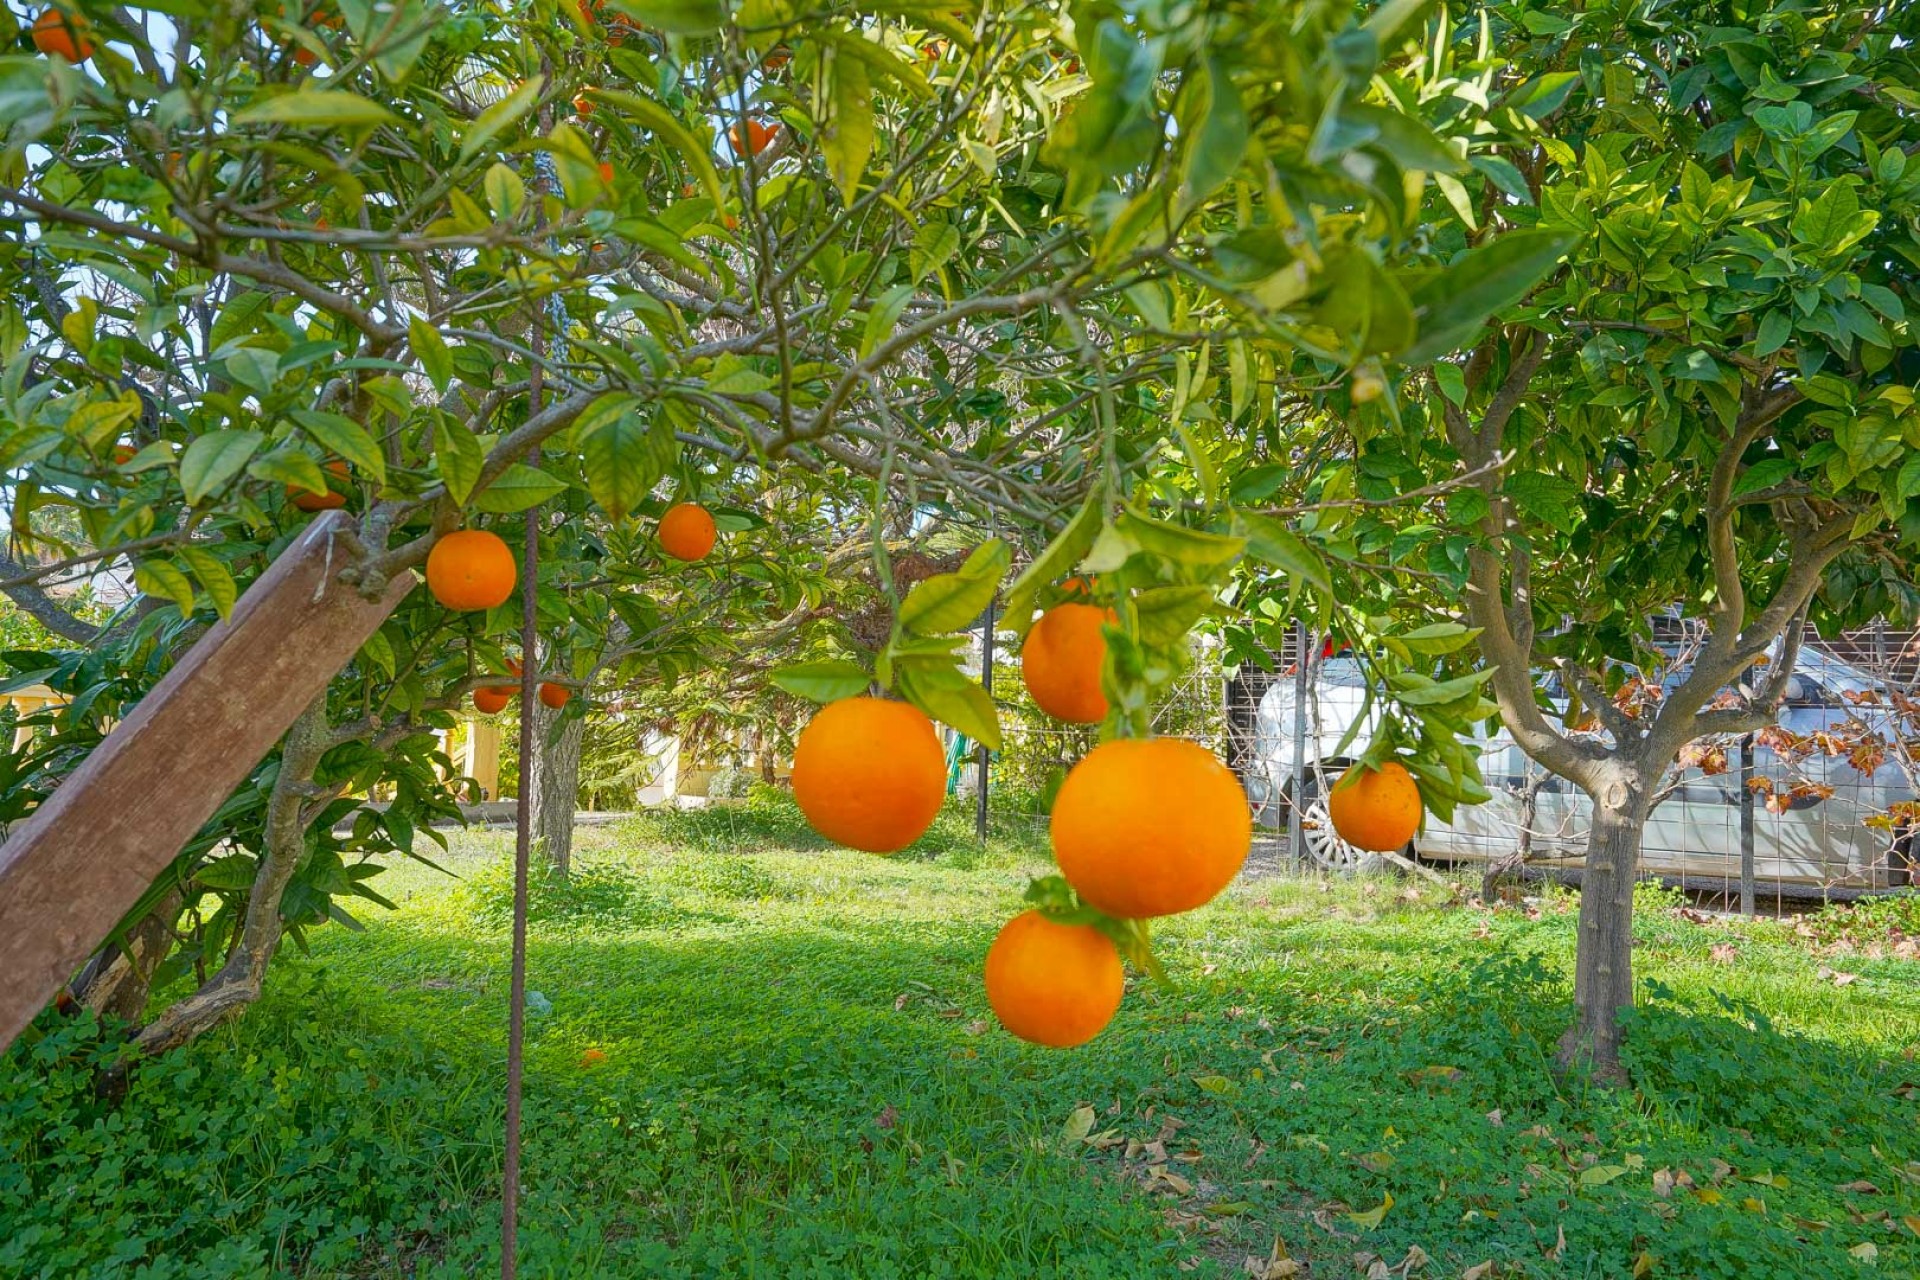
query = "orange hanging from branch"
{"x": 869, "y": 773}
{"x": 687, "y": 531}
{"x": 471, "y": 569}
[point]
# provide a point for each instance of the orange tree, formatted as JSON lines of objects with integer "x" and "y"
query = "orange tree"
{"x": 978, "y": 260}
{"x": 1708, "y": 407}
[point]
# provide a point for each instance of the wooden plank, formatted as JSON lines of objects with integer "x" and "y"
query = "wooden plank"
{"x": 73, "y": 868}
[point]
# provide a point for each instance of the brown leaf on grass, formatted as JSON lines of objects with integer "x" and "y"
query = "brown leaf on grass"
{"x": 1861, "y": 1187}
{"x": 888, "y": 1118}
{"x": 1416, "y": 1258}
{"x": 1663, "y": 1183}
{"x": 1723, "y": 952}
{"x": 1497, "y": 1118}
{"x": 979, "y": 1027}
{"x": 1835, "y": 976}
{"x": 1559, "y": 1244}
{"x": 900, "y": 1001}
{"x": 1478, "y": 1271}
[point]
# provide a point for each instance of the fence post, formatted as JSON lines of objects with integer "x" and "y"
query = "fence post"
{"x": 1294, "y": 850}
{"x": 1746, "y": 825}
{"x": 986, "y": 683}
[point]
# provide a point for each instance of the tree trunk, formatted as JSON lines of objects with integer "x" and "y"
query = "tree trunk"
{"x": 1603, "y": 972}
{"x": 116, "y": 982}
{"x": 550, "y": 782}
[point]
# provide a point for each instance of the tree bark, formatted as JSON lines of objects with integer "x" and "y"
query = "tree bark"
{"x": 1603, "y": 970}
{"x": 550, "y": 774}
{"x": 116, "y": 982}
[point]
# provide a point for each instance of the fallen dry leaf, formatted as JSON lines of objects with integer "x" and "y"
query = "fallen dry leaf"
{"x": 1723, "y": 952}
{"x": 1478, "y": 1271}
{"x": 1496, "y": 1118}
{"x": 889, "y": 1117}
{"x": 1860, "y": 1187}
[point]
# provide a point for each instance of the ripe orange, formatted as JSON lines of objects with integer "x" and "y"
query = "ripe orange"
{"x": 555, "y": 695}
{"x": 687, "y": 531}
{"x": 583, "y": 106}
{"x": 869, "y": 773}
{"x": 63, "y": 35}
{"x": 1053, "y": 984}
{"x": 123, "y": 454}
{"x": 471, "y": 569}
{"x": 1150, "y": 826}
{"x": 759, "y": 137}
{"x": 606, "y": 172}
{"x": 491, "y": 701}
{"x": 593, "y": 1057}
{"x": 304, "y": 57}
{"x": 307, "y": 500}
{"x": 1375, "y": 809}
{"x": 1061, "y": 662}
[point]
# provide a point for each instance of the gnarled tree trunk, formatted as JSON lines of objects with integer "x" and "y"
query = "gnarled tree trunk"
{"x": 1603, "y": 971}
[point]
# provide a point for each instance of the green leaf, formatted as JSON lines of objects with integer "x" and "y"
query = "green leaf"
{"x": 827, "y": 681}
{"x": 680, "y": 17}
{"x": 1178, "y": 543}
{"x": 213, "y": 459}
{"x": 1452, "y": 304}
{"x": 213, "y": 576}
{"x": 1065, "y": 551}
{"x": 1600, "y": 1175}
{"x": 1272, "y": 543}
{"x": 1167, "y": 614}
{"x": 518, "y": 488}
{"x": 316, "y": 108}
{"x": 1542, "y": 497}
{"x": 678, "y": 139}
{"x": 945, "y": 693}
{"x": 345, "y": 438}
{"x": 1763, "y": 474}
{"x": 618, "y": 453}
{"x": 162, "y": 578}
{"x": 933, "y": 245}
{"x": 460, "y": 457}
{"x": 432, "y": 350}
{"x": 506, "y": 192}
{"x": 1218, "y": 137}
{"x": 952, "y": 601}
{"x": 1439, "y": 638}
{"x": 500, "y": 117}
{"x": 1775, "y": 328}
{"x": 846, "y": 136}
{"x": 290, "y": 465}
{"x": 883, "y": 317}
{"x": 235, "y": 871}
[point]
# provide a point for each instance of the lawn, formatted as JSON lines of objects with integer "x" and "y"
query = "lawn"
{"x": 752, "y": 1055}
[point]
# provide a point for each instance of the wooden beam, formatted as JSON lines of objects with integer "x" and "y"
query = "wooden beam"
{"x": 74, "y": 868}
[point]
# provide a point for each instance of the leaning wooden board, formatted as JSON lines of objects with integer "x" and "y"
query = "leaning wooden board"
{"x": 73, "y": 868}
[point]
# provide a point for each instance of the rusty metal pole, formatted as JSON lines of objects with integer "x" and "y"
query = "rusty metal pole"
{"x": 986, "y": 683}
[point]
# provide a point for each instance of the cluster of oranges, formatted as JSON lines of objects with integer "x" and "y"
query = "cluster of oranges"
{"x": 1141, "y": 827}
{"x": 473, "y": 569}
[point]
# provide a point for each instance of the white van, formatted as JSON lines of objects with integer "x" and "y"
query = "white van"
{"x": 1694, "y": 833}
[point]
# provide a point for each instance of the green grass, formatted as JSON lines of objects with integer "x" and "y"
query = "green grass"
{"x": 799, "y": 1081}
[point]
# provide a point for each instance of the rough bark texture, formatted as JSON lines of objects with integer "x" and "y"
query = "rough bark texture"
{"x": 552, "y": 783}
{"x": 1603, "y": 969}
{"x": 116, "y": 982}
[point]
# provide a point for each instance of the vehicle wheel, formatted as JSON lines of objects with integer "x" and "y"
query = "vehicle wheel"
{"x": 1320, "y": 846}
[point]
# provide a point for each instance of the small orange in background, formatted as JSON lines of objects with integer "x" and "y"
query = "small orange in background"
{"x": 332, "y": 499}
{"x": 1053, "y": 984}
{"x": 593, "y": 1058}
{"x": 1150, "y": 827}
{"x": 606, "y": 172}
{"x": 471, "y": 569}
{"x": 304, "y": 57}
{"x": 869, "y": 773}
{"x": 1061, "y": 660}
{"x": 555, "y": 695}
{"x": 1375, "y": 809}
{"x": 687, "y": 531}
{"x": 63, "y": 35}
{"x": 123, "y": 454}
{"x": 583, "y": 107}
{"x": 491, "y": 701}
